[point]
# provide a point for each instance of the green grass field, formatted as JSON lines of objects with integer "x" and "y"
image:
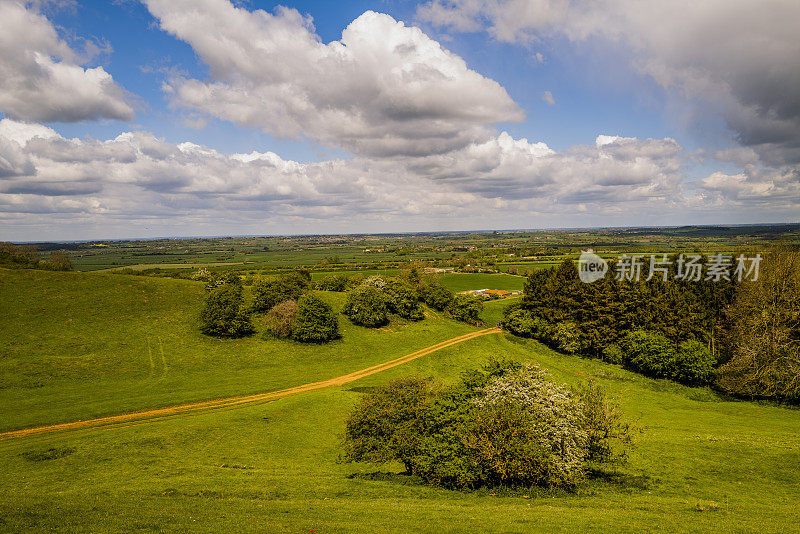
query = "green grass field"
{"x": 76, "y": 345}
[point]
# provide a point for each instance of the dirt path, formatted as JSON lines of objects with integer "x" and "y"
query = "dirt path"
{"x": 160, "y": 413}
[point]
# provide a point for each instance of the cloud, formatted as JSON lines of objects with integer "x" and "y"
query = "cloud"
{"x": 740, "y": 58}
{"x": 41, "y": 78}
{"x": 383, "y": 89}
{"x": 547, "y": 96}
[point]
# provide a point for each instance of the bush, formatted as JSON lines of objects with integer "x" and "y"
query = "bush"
{"x": 366, "y": 306}
{"x": 268, "y": 293}
{"x": 226, "y": 278}
{"x": 551, "y": 443}
{"x": 466, "y": 308}
{"x": 613, "y": 354}
{"x": 315, "y": 321}
{"x": 281, "y": 317}
{"x": 522, "y": 323}
{"x": 436, "y": 296}
{"x": 387, "y": 424}
{"x": 58, "y": 261}
{"x": 649, "y": 353}
{"x": 403, "y": 300}
{"x": 693, "y": 364}
{"x": 506, "y": 425}
{"x": 566, "y": 336}
{"x": 222, "y": 314}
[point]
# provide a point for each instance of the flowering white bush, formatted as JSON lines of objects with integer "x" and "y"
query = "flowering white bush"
{"x": 554, "y": 416}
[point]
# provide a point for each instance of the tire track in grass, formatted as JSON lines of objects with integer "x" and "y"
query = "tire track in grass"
{"x": 146, "y": 416}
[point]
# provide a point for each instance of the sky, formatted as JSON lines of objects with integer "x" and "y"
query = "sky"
{"x": 137, "y": 119}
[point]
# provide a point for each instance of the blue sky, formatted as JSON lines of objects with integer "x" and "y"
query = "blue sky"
{"x": 392, "y": 132}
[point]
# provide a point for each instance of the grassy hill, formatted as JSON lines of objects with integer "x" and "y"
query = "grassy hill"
{"x": 701, "y": 463}
{"x": 78, "y": 345}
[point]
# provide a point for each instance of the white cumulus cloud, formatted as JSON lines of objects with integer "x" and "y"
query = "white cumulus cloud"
{"x": 41, "y": 78}
{"x": 383, "y": 89}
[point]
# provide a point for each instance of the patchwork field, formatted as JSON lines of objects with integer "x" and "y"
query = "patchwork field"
{"x": 76, "y": 346}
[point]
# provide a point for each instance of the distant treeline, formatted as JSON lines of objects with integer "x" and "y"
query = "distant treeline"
{"x": 740, "y": 336}
{"x": 27, "y": 257}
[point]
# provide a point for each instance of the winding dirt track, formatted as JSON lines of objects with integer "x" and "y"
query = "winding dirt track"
{"x": 160, "y": 413}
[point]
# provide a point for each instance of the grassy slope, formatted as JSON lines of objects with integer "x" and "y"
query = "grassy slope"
{"x": 701, "y": 463}
{"x": 75, "y": 346}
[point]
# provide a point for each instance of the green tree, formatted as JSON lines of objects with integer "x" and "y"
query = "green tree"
{"x": 403, "y": 300}
{"x": 366, "y": 306}
{"x": 435, "y": 295}
{"x": 764, "y": 338}
{"x": 315, "y": 321}
{"x": 223, "y": 314}
{"x": 290, "y": 286}
{"x": 466, "y": 308}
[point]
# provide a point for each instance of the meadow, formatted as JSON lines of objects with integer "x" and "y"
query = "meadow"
{"x": 79, "y": 345}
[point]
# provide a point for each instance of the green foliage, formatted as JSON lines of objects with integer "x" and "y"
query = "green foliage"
{"x": 613, "y": 354}
{"x": 387, "y": 424}
{"x": 693, "y": 364}
{"x": 58, "y": 261}
{"x": 315, "y": 321}
{"x": 466, "y": 308}
{"x": 224, "y": 278}
{"x": 280, "y": 318}
{"x": 649, "y": 353}
{"x": 223, "y": 314}
{"x": 435, "y": 295}
{"x": 506, "y": 425}
{"x": 366, "y": 306}
{"x": 764, "y": 333}
{"x": 402, "y": 299}
{"x": 268, "y": 293}
{"x": 12, "y": 255}
{"x": 567, "y": 337}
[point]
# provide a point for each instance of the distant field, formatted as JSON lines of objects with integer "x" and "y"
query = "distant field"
{"x": 466, "y": 281}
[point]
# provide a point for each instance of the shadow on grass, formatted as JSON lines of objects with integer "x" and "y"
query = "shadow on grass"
{"x": 597, "y": 479}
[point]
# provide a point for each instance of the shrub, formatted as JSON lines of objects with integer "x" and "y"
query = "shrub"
{"x": 436, "y": 296}
{"x": 366, "y": 306}
{"x": 566, "y": 336}
{"x": 649, "y": 353}
{"x": 58, "y": 261}
{"x": 552, "y": 444}
{"x": 268, "y": 293}
{"x": 315, "y": 321}
{"x": 693, "y": 364}
{"x": 403, "y": 300}
{"x": 223, "y": 315}
{"x": 613, "y": 354}
{"x": 281, "y": 317}
{"x": 227, "y": 278}
{"x": 466, "y": 308}
{"x": 388, "y": 423}
{"x": 505, "y": 425}
{"x": 522, "y": 323}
